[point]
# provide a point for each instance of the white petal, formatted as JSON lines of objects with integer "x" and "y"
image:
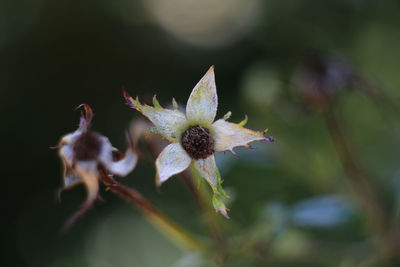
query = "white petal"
{"x": 125, "y": 165}
{"x": 66, "y": 146}
{"x": 169, "y": 123}
{"x": 228, "y": 135}
{"x": 121, "y": 167}
{"x": 208, "y": 170}
{"x": 203, "y": 101}
{"x": 67, "y": 154}
{"x": 172, "y": 160}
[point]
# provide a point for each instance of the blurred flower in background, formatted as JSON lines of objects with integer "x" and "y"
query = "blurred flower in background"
{"x": 321, "y": 78}
{"x": 86, "y": 155}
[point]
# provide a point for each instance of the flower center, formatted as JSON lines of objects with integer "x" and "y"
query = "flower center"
{"x": 198, "y": 142}
{"x": 87, "y": 146}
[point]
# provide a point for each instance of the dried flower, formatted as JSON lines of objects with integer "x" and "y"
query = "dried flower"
{"x": 86, "y": 155}
{"x": 195, "y": 137}
{"x": 322, "y": 78}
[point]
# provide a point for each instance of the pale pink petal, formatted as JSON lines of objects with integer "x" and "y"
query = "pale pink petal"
{"x": 172, "y": 160}
{"x": 203, "y": 101}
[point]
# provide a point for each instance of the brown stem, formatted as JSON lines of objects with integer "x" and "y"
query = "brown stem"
{"x": 364, "y": 191}
{"x": 157, "y": 218}
{"x": 356, "y": 176}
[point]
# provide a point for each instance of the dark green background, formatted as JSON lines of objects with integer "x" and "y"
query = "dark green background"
{"x": 55, "y": 55}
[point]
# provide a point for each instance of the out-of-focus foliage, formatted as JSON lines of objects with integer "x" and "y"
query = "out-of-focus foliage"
{"x": 291, "y": 201}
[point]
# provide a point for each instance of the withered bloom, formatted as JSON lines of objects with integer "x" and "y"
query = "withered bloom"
{"x": 322, "y": 78}
{"x": 86, "y": 155}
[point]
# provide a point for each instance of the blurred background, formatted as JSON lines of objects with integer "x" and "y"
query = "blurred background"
{"x": 323, "y": 76}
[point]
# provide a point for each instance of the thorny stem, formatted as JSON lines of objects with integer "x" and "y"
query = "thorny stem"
{"x": 166, "y": 226}
{"x": 360, "y": 183}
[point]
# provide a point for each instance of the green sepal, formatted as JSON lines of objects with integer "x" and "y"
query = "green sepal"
{"x": 218, "y": 198}
{"x": 219, "y": 205}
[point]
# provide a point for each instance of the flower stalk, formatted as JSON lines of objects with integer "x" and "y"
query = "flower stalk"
{"x": 356, "y": 176}
{"x": 388, "y": 235}
{"x": 165, "y": 225}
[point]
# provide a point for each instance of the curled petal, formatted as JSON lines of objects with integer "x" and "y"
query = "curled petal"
{"x": 125, "y": 165}
{"x": 88, "y": 172}
{"x": 122, "y": 166}
{"x": 203, "y": 101}
{"x": 169, "y": 123}
{"x": 228, "y": 135}
{"x": 172, "y": 160}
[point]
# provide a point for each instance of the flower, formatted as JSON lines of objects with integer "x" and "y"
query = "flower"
{"x": 86, "y": 155}
{"x": 195, "y": 137}
{"x": 322, "y": 78}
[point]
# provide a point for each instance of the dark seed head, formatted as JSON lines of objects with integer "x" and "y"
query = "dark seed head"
{"x": 87, "y": 146}
{"x": 198, "y": 142}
